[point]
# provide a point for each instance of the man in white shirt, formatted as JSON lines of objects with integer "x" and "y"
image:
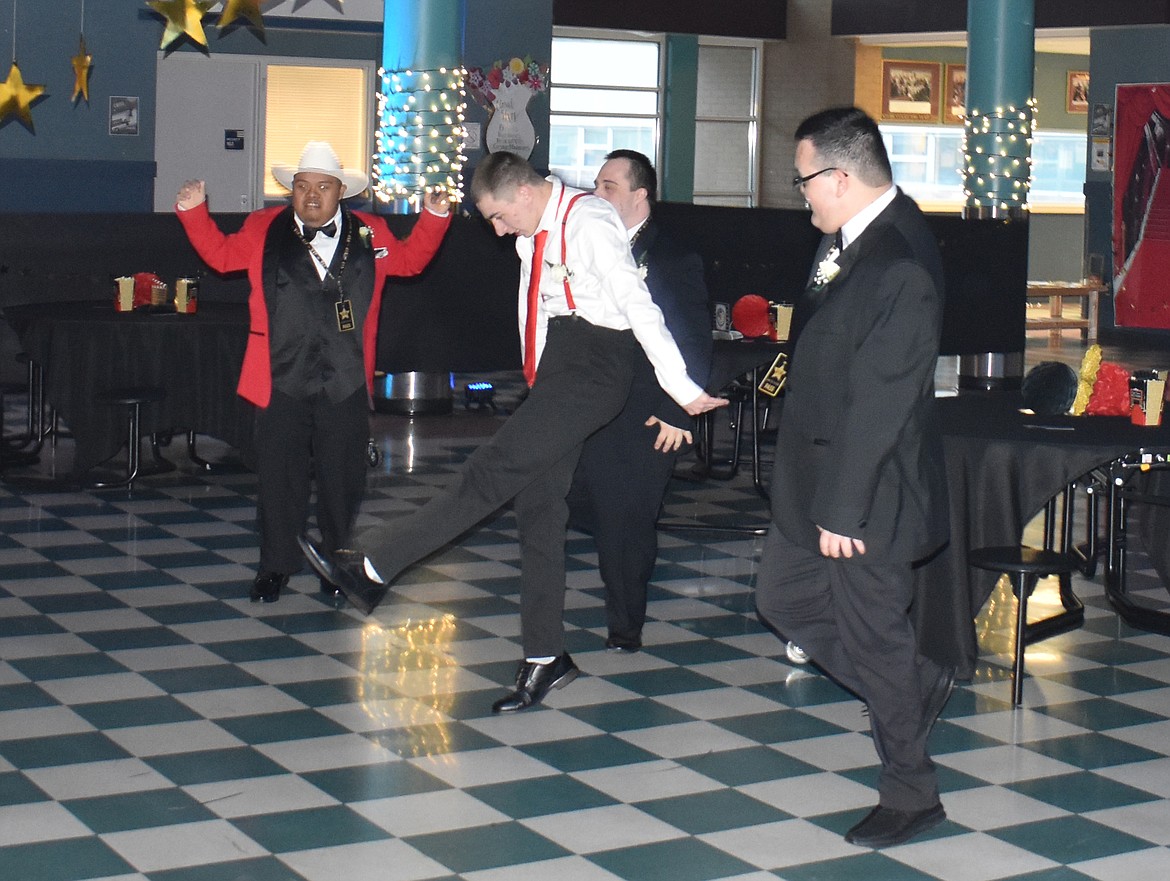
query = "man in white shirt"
{"x": 584, "y": 312}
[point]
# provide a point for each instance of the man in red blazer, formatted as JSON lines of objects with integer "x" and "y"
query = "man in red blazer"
{"x": 317, "y": 271}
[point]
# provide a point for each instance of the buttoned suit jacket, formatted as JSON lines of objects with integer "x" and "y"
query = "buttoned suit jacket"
{"x": 858, "y": 449}
{"x": 245, "y": 250}
{"x": 674, "y": 277}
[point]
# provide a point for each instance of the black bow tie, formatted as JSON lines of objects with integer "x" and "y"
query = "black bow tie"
{"x": 310, "y": 232}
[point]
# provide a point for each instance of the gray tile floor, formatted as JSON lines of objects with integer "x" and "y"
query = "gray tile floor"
{"x": 154, "y": 724}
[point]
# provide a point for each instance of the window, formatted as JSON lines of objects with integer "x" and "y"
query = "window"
{"x": 726, "y": 124}
{"x": 605, "y": 95}
{"x": 341, "y": 102}
{"x": 926, "y": 162}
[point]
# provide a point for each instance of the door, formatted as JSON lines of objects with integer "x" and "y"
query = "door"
{"x": 207, "y": 128}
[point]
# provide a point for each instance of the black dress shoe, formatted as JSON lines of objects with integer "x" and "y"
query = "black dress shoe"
{"x": 625, "y": 646}
{"x": 937, "y": 697}
{"x": 533, "y": 682}
{"x": 266, "y": 587}
{"x": 345, "y": 570}
{"x": 885, "y": 827}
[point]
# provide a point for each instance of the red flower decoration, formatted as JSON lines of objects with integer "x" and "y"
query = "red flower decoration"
{"x": 1110, "y": 392}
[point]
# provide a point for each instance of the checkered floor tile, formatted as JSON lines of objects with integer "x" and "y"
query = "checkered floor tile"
{"x": 156, "y": 725}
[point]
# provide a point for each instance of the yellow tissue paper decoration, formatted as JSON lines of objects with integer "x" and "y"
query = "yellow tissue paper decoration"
{"x": 1090, "y": 364}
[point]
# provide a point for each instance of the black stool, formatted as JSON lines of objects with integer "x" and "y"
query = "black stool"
{"x": 34, "y": 433}
{"x": 133, "y": 398}
{"x": 1025, "y": 566}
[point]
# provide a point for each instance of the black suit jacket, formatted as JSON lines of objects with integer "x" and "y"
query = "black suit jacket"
{"x": 858, "y": 450}
{"x": 675, "y": 279}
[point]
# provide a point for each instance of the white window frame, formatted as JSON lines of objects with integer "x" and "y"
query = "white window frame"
{"x": 752, "y": 193}
{"x": 265, "y": 61}
{"x": 1042, "y": 202}
{"x": 659, "y": 91}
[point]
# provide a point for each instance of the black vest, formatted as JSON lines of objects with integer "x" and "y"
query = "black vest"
{"x": 309, "y": 355}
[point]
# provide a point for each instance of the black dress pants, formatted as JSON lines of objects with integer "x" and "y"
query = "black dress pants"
{"x": 852, "y": 618}
{"x": 582, "y": 382}
{"x": 295, "y": 440}
{"x": 617, "y": 495}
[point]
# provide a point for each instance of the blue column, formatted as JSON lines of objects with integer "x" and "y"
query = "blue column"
{"x": 421, "y": 101}
{"x": 1001, "y": 38}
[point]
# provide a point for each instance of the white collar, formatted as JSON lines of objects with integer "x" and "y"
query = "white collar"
{"x": 855, "y": 225}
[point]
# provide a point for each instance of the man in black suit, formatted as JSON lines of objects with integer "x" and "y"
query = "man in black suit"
{"x": 624, "y": 468}
{"x": 859, "y": 487}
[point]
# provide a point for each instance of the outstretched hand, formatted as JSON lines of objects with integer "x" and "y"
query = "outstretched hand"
{"x": 669, "y": 437}
{"x": 703, "y": 403}
{"x": 191, "y": 193}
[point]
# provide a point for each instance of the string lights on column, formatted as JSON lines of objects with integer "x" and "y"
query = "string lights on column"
{"x": 421, "y": 136}
{"x": 997, "y": 157}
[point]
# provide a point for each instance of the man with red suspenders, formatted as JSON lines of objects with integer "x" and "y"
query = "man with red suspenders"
{"x": 584, "y": 311}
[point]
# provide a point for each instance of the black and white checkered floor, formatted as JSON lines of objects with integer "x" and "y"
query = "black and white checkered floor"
{"x": 154, "y": 724}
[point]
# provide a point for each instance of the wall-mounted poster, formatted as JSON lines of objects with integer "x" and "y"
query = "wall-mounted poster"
{"x": 1078, "y": 91}
{"x": 123, "y": 115}
{"x": 1141, "y": 206}
{"x": 955, "y": 95}
{"x": 911, "y": 90}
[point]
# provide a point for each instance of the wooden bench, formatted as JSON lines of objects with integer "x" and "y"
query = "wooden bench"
{"x": 1086, "y": 292}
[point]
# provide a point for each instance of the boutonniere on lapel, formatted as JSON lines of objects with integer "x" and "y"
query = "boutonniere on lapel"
{"x": 643, "y": 264}
{"x": 367, "y": 238}
{"x": 558, "y": 271}
{"x": 827, "y": 269}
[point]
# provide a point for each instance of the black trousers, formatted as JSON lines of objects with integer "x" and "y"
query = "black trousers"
{"x": 295, "y": 440}
{"x": 617, "y": 495}
{"x": 582, "y": 383}
{"x": 852, "y": 618}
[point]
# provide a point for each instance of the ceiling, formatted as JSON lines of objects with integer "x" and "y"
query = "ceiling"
{"x": 1065, "y": 41}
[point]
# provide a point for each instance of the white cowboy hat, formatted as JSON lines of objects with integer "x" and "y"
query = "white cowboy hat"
{"x": 320, "y": 157}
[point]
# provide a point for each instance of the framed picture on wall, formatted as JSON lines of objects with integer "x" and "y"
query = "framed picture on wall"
{"x": 955, "y": 94}
{"x": 911, "y": 90}
{"x": 1078, "y": 91}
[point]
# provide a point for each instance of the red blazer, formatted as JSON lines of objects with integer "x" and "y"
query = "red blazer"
{"x": 245, "y": 250}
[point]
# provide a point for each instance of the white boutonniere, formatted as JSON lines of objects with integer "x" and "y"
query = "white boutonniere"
{"x": 558, "y": 271}
{"x": 642, "y": 266}
{"x": 366, "y": 235}
{"x": 827, "y": 269}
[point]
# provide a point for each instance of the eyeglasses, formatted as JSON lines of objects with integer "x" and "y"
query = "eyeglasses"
{"x": 798, "y": 181}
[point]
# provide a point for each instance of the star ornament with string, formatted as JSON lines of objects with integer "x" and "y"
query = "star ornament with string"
{"x": 82, "y": 62}
{"x": 249, "y": 9}
{"x": 16, "y": 98}
{"x": 183, "y": 17}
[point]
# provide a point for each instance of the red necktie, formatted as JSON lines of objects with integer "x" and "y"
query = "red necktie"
{"x": 533, "y": 301}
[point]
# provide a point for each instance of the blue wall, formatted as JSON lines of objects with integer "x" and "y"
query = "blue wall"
{"x": 72, "y": 163}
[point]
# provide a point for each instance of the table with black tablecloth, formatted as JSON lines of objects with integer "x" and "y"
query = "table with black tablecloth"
{"x": 85, "y": 348}
{"x": 1002, "y": 468}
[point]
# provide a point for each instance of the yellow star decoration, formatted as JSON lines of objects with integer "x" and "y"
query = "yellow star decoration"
{"x": 233, "y": 9}
{"x": 183, "y": 17}
{"x": 16, "y": 98}
{"x": 82, "y": 62}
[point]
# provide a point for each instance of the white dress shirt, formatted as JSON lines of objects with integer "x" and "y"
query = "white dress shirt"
{"x": 605, "y": 285}
{"x": 856, "y": 224}
{"x": 325, "y": 246}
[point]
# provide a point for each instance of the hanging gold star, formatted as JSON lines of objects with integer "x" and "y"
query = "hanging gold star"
{"x": 233, "y": 9}
{"x": 16, "y": 98}
{"x": 82, "y": 62}
{"x": 183, "y": 17}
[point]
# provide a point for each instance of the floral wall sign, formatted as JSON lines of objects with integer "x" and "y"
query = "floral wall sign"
{"x": 505, "y": 89}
